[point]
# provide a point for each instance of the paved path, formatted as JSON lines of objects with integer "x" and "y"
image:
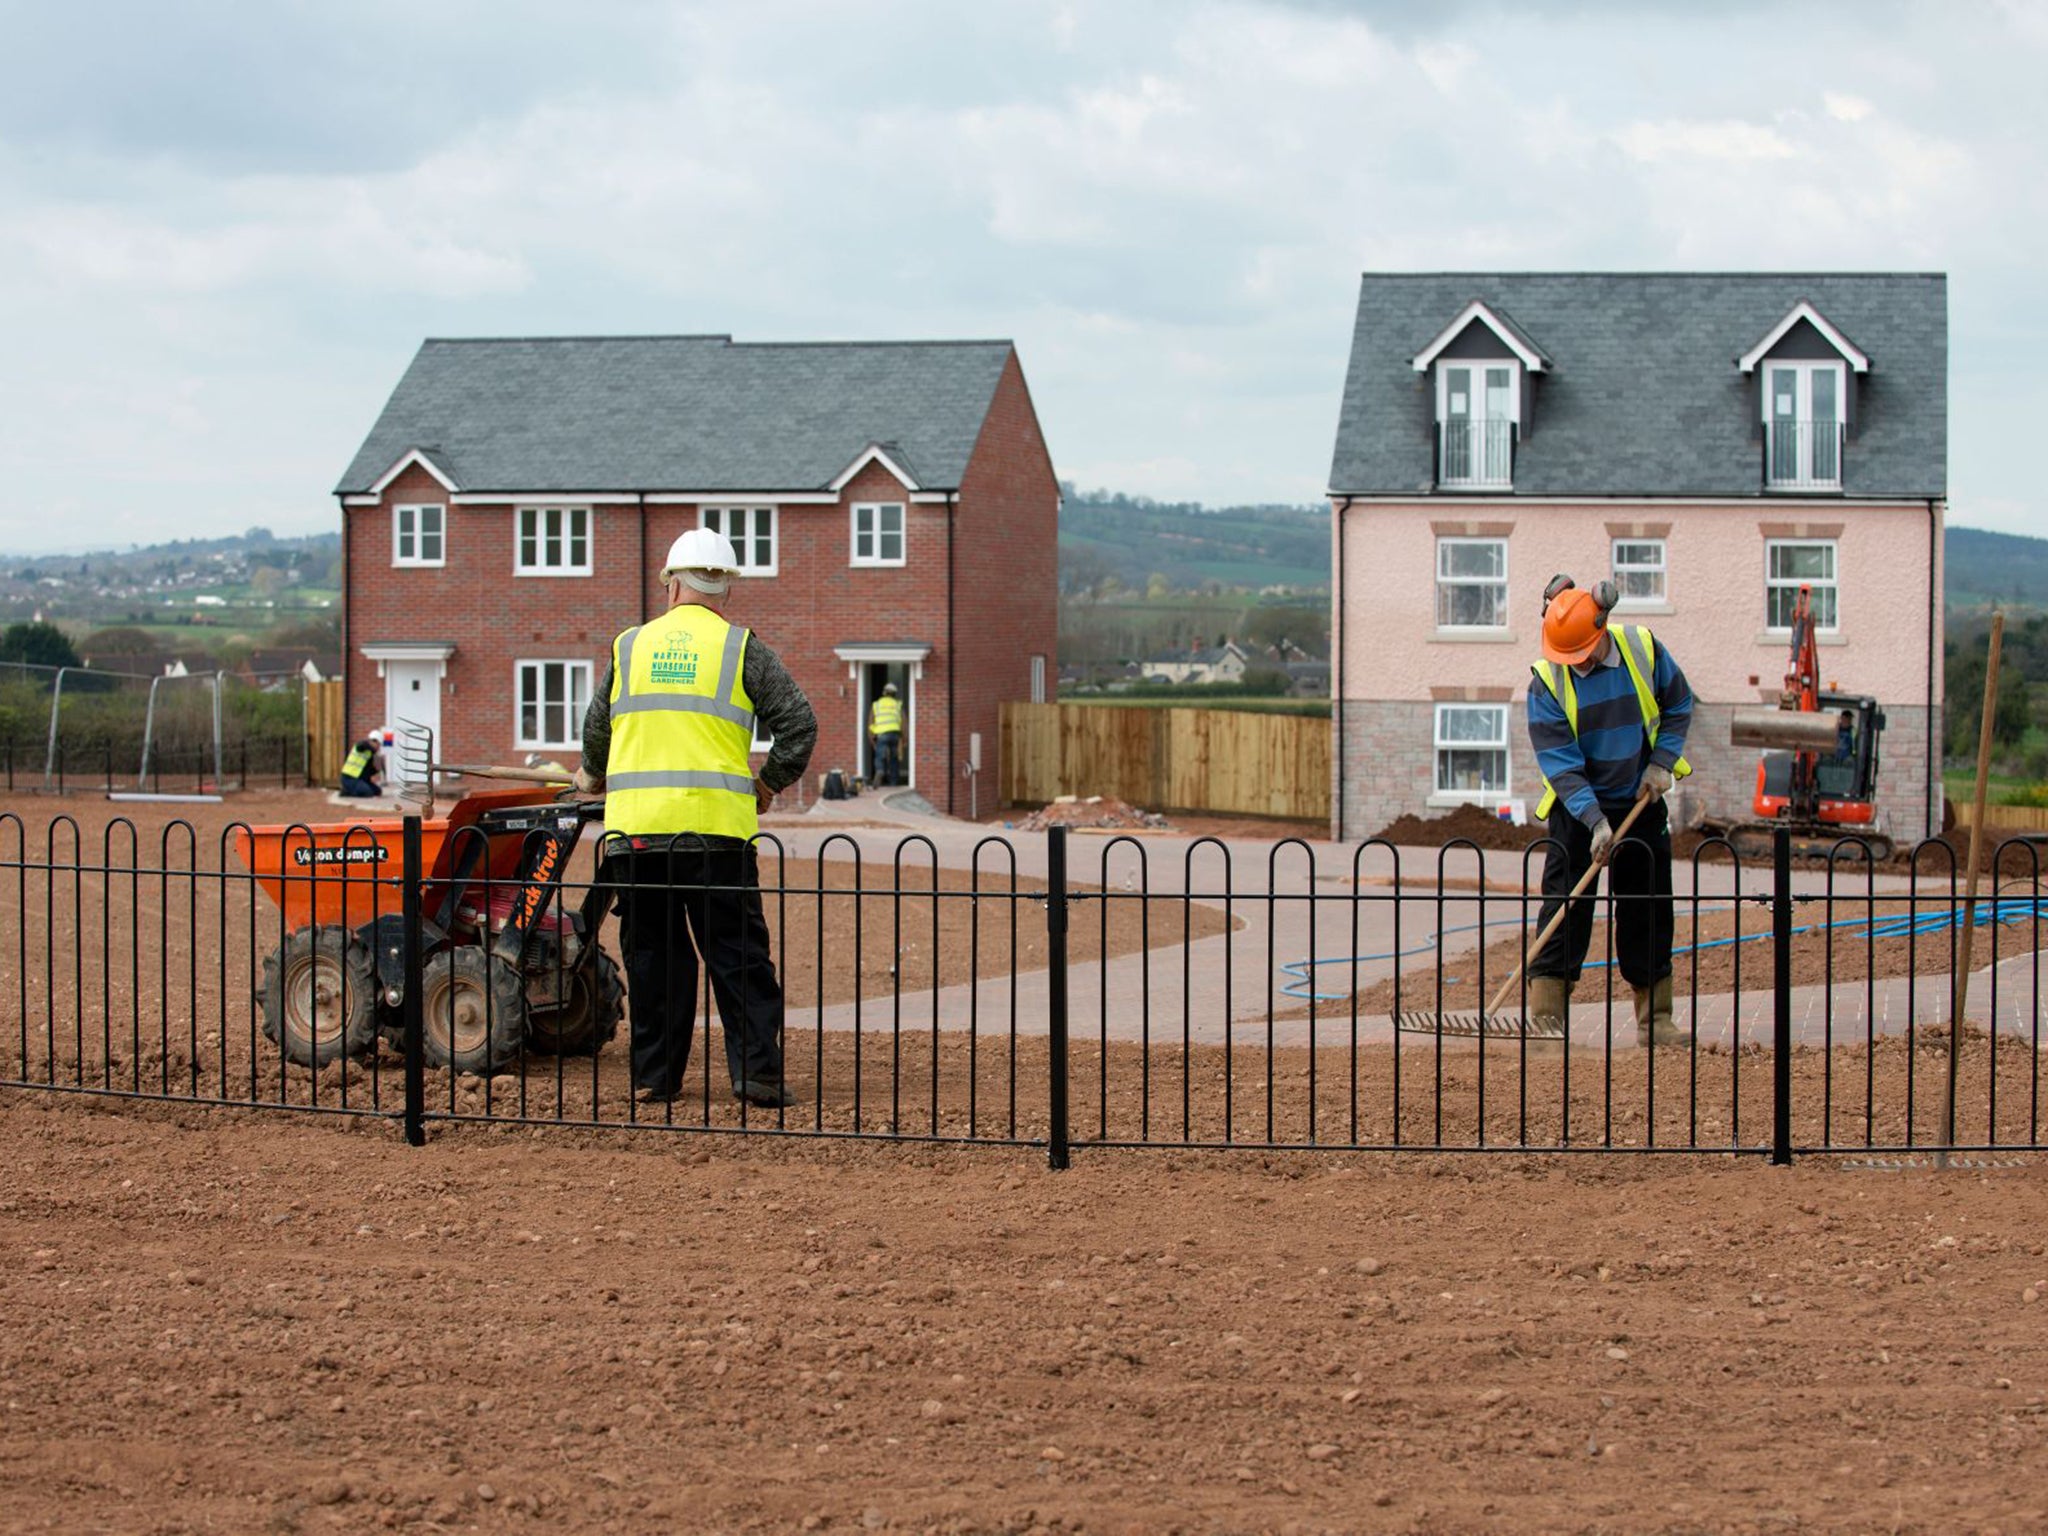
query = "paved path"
{"x": 1232, "y": 984}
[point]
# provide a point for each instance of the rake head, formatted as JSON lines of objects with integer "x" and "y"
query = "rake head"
{"x": 1472, "y": 1026}
{"x": 416, "y": 754}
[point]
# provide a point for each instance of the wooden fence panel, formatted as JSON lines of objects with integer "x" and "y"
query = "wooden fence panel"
{"x": 326, "y": 731}
{"x": 2006, "y": 818}
{"x": 1234, "y": 762}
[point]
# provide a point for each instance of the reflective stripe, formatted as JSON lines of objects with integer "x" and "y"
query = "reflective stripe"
{"x": 622, "y": 669}
{"x": 690, "y": 778}
{"x": 1639, "y": 655}
{"x": 685, "y": 703}
{"x": 358, "y": 760}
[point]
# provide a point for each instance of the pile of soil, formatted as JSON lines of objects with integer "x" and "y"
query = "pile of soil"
{"x": 1467, "y": 821}
{"x": 1096, "y": 811}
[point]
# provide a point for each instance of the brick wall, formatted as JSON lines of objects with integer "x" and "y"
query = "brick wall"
{"x": 1390, "y": 767}
{"x": 1005, "y": 561}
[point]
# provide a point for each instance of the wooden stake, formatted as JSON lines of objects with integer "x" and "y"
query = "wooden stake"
{"x": 1960, "y": 994}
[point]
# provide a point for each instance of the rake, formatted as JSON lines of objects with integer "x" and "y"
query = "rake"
{"x": 1490, "y": 1022}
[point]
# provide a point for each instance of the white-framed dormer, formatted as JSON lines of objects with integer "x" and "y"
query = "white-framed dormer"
{"x": 1805, "y": 368}
{"x": 1481, "y": 387}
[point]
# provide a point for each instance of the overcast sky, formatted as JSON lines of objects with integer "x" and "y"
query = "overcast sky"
{"x": 225, "y": 227}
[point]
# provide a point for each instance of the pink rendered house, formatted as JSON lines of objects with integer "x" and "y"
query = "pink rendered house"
{"x": 1709, "y": 441}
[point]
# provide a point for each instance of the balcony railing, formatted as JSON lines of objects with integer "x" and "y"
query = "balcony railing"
{"x": 1476, "y": 455}
{"x": 1803, "y": 456}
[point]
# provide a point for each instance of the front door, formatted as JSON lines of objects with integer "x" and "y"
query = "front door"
{"x": 873, "y": 675}
{"x": 412, "y": 696}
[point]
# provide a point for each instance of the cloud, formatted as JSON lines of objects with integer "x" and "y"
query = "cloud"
{"x": 220, "y": 239}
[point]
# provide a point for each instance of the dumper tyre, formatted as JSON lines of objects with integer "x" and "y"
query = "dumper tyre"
{"x": 319, "y": 996}
{"x": 473, "y": 1011}
{"x": 586, "y": 1023}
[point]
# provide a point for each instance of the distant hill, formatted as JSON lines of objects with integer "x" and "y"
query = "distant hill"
{"x": 2009, "y": 569}
{"x": 1135, "y": 538}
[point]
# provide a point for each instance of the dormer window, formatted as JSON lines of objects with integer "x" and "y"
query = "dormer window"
{"x": 1481, "y": 363}
{"x": 1476, "y": 425}
{"x": 1805, "y": 368}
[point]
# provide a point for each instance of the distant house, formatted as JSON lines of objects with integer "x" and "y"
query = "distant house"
{"x": 291, "y": 665}
{"x": 1710, "y": 442}
{"x": 892, "y": 505}
{"x": 1225, "y": 663}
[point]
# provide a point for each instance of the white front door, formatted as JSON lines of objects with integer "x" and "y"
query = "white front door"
{"x": 412, "y": 696}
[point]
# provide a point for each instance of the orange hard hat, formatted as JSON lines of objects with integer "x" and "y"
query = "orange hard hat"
{"x": 1572, "y": 627}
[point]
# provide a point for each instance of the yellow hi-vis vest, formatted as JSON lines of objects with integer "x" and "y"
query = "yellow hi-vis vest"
{"x": 357, "y": 761}
{"x": 682, "y": 725}
{"x": 887, "y": 715}
{"x": 1639, "y": 654}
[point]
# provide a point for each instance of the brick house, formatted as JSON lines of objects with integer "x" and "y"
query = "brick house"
{"x": 892, "y": 503}
{"x": 1708, "y": 441}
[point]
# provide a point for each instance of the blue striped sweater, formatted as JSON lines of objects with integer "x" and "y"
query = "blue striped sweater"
{"x": 1603, "y": 765}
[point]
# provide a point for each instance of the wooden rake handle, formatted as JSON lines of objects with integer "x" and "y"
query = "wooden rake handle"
{"x": 1585, "y": 880}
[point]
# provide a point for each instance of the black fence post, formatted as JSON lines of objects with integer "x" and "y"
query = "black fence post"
{"x": 1781, "y": 997}
{"x": 412, "y": 965}
{"x": 1056, "y": 972}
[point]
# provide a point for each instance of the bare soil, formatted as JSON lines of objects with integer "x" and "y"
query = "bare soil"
{"x": 226, "y": 1321}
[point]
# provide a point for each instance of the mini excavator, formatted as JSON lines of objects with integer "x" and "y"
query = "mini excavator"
{"x": 1818, "y": 772}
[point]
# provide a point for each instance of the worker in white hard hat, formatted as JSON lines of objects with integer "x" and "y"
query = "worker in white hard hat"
{"x": 885, "y": 731}
{"x": 668, "y": 738}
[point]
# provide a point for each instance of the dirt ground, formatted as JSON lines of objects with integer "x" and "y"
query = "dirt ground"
{"x": 221, "y": 1321}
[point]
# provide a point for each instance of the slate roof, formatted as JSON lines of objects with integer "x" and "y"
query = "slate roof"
{"x": 681, "y": 413}
{"x": 1643, "y": 397}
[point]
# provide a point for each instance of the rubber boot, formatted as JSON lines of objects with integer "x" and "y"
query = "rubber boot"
{"x": 1653, "y": 1016}
{"x": 1549, "y": 1009}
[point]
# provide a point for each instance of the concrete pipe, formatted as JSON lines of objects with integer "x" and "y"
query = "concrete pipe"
{"x": 1790, "y": 730}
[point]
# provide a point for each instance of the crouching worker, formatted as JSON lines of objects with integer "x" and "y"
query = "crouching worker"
{"x": 1608, "y": 713}
{"x": 362, "y": 770}
{"x": 666, "y": 739}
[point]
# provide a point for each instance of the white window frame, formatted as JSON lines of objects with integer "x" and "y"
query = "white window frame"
{"x": 763, "y": 741}
{"x": 1439, "y": 745}
{"x": 1662, "y": 568}
{"x": 572, "y": 668}
{"x": 720, "y": 520}
{"x": 1446, "y": 541}
{"x": 1802, "y": 416}
{"x": 876, "y": 558}
{"x": 567, "y": 537}
{"x": 1792, "y": 584}
{"x": 1037, "y": 679}
{"x": 413, "y": 512}
{"x": 1480, "y": 480}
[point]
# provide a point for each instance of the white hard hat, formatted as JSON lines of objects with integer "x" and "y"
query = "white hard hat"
{"x": 701, "y": 550}
{"x": 888, "y": 687}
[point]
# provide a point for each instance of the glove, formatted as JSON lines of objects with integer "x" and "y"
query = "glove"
{"x": 1656, "y": 781}
{"x": 1603, "y": 839}
{"x": 589, "y": 783}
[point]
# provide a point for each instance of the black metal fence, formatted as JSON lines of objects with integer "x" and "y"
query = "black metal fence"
{"x": 1006, "y": 991}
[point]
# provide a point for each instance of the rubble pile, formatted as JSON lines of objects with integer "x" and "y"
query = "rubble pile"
{"x": 1095, "y": 811}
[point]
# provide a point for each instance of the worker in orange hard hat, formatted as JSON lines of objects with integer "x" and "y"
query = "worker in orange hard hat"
{"x": 1608, "y": 714}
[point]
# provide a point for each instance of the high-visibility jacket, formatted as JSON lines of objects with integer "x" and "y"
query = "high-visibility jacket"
{"x": 357, "y": 761}
{"x": 682, "y": 725}
{"x": 1639, "y": 654}
{"x": 886, "y": 715}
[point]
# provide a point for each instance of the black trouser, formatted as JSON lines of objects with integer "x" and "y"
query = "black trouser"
{"x": 678, "y": 900}
{"x": 1638, "y": 869}
{"x": 888, "y": 756}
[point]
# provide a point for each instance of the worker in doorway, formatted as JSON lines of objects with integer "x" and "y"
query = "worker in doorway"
{"x": 885, "y": 730}
{"x": 1608, "y": 714}
{"x": 667, "y": 739}
{"x": 362, "y": 769}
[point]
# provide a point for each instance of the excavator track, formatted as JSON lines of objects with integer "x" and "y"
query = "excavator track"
{"x": 1753, "y": 839}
